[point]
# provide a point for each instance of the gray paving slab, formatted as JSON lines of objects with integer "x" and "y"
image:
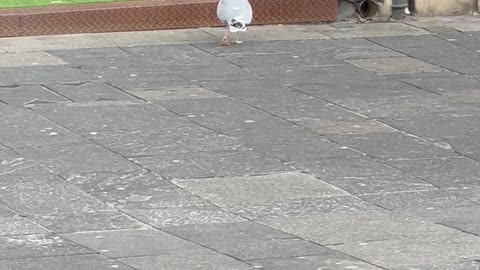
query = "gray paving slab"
{"x": 6, "y": 212}
{"x": 468, "y": 265}
{"x": 87, "y": 221}
{"x": 210, "y": 71}
{"x": 52, "y": 196}
{"x": 174, "y": 93}
{"x": 211, "y": 164}
{"x": 18, "y": 225}
{"x": 72, "y": 160}
{"x": 443, "y": 172}
{"x": 88, "y": 91}
{"x": 181, "y": 216}
{"x": 399, "y": 42}
{"x": 43, "y": 74}
{"x": 25, "y": 94}
{"x": 471, "y": 193}
{"x": 467, "y": 145}
{"x": 78, "y": 262}
{"x": 38, "y": 245}
{"x": 172, "y": 54}
{"x": 125, "y": 243}
{"x": 334, "y": 262}
{"x": 395, "y": 65}
{"x": 393, "y": 145}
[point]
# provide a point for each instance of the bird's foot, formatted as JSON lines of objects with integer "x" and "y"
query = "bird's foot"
{"x": 224, "y": 42}
{"x": 238, "y": 41}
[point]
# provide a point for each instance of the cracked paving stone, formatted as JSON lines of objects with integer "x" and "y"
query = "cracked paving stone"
{"x": 38, "y": 245}
{"x": 429, "y": 199}
{"x": 175, "y": 94}
{"x": 25, "y": 94}
{"x": 18, "y": 225}
{"x": 333, "y": 262}
{"x": 77, "y": 159}
{"x": 78, "y": 262}
{"x": 350, "y": 227}
{"x": 447, "y": 172}
{"x": 128, "y": 243}
{"x": 211, "y": 164}
{"x": 395, "y": 254}
{"x": 191, "y": 261}
{"x": 87, "y": 221}
{"x": 257, "y": 190}
{"x": 51, "y": 196}
{"x": 89, "y": 91}
{"x": 176, "y": 216}
{"x": 108, "y": 181}
{"x": 394, "y": 145}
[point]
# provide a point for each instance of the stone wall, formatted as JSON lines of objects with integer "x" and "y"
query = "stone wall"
{"x": 444, "y": 7}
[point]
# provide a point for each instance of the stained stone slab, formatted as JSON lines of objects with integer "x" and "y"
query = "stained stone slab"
{"x": 440, "y": 82}
{"x": 302, "y": 207}
{"x": 172, "y": 54}
{"x": 72, "y": 160}
{"x": 175, "y": 93}
{"x": 166, "y": 141}
{"x": 227, "y": 232}
{"x": 38, "y": 245}
{"x": 400, "y": 253}
{"x": 52, "y": 196}
{"x": 374, "y": 30}
{"x": 211, "y": 164}
{"x": 395, "y": 65}
{"x": 144, "y": 79}
{"x": 471, "y": 193}
{"x": 192, "y": 261}
{"x": 220, "y": 71}
{"x": 79, "y": 262}
{"x": 104, "y": 181}
{"x": 126, "y": 243}
{"x": 334, "y": 261}
{"x": 327, "y": 127}
{"x": 443, "y": 172}
{"x": 269, "y": 60}
{"x": 352, "y": 227}
{"x": 394, "y": 145}
{"x": 19, "y": 225}
{"x": 25, "y": 94}
{"x": 298, "y": 151}
{"x": 176, "y": 216}
{"x": 467, "y": 145}
{"x": 150, "y": 198}
{"x": 19, "y": 167}
{"x": 257, "y": 190}
{"x": 428, "y": 54}
{"x": 19, "y": 59}
{"x": 87, "y": 221}
{"x": 398, "y": 42}
{"x": 465, "y": 64}
{"x": 97, "y": 117}
{"x": 429, "y": 199}
{"x": 469, "y": 265}
{"x": 43, "y": 74}
{"x": 88, "y": 91}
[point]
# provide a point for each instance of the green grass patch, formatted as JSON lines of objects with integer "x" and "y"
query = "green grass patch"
{"x": 37, "y": 3}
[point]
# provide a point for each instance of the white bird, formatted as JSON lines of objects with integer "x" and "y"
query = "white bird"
{"x": 235, "y": 15}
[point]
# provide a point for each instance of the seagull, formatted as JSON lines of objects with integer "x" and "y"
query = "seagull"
{"x": 235, "y": 15}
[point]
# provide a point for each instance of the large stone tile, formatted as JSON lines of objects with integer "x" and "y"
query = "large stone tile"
{"x": 20, "y": 59}
{"x": 192, "y": 261}
{"x": 18, "y": 225}
{"x": 176, "y": 216}
{"x": 443, "y": 172}
{"x": 165, "y": 141}
{"x": 43, "y": 74}
{"x": 393, "y": 145}
{"x": 328, "y": 127}
{"x": 349, "y": 227}
{"x": 428, "y": 199}
{"x": 375, "y": 30}
{"x": 398, "y": 42}
{"x": 206, "y": 233}
{"x": 471, "y": 193}
{"x": 172, "y": 54}
{"x": 444, "y": 82}
{"x": 395, "y": 65}
{"x": 88, "y": 91}
{"x": 468, "y": 265}
{"x": 127, "y": 243}
{"x": 46, "y": 195}
{"x": 259, "y": 189}
{"x": 428, "y": 251}
{"x": 25, "y": 94}
{"x": 213, "y": 71}
{"x": 175, "y": 93}
{"x": 76, "y": 159}
{"x": 333, "y": 262}
{"x": 6, "y": 212}
{"x": 79, "y": 262}
{"x": 105, "y": 181}
{"x": 87, "y": 221}
{"x": 212, "y": 164}
{"x": 38, "y": 245}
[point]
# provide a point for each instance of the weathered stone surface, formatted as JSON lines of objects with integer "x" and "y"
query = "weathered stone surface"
{"x": 43, "y": 74}
{"x": 19, "y": 225}
{"x": 88, "y": 91}
{"x": 257, "y": 190}
{"x": 468, "y": 265}
{"x": 78, "y": 262}
{"x": 27, "y": 94}
{"x": 193, "y": 261}
{"x": 175, "y": 93}
{"x": 125, "y": 243}
{"x": 38, "y": 245}
{"x": 20, "y": 59}
{"x": 395, "y": 65}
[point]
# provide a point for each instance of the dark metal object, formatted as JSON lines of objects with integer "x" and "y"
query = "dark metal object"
{"x": 398, "y": 9}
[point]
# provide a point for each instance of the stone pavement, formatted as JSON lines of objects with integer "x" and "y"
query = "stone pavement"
{"x": 343, "y": 146}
